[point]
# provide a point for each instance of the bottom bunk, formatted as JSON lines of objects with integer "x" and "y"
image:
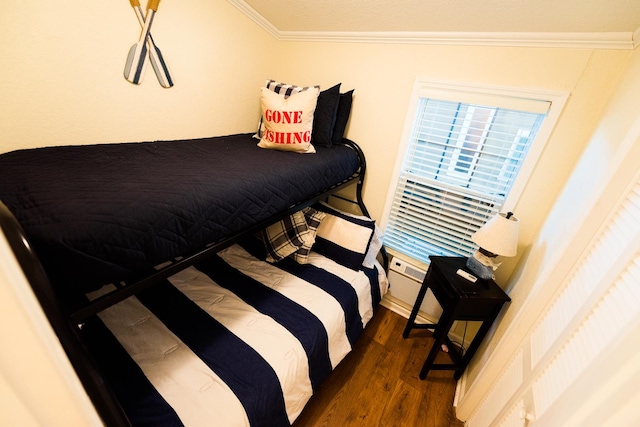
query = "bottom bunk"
{"x": 241, "y": 338}
{"x": 233, "y": 340}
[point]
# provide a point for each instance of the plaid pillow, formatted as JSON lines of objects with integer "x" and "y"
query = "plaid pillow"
{"x": 286, "y": 236}
{"x": 313, "y": 219}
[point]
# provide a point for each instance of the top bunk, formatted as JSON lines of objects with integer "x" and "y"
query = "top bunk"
{"x": 133, "y": 214}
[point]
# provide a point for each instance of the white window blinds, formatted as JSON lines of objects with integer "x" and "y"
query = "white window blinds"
{"x": 461, "y": 161}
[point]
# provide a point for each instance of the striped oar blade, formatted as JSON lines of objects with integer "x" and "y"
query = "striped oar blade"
{"x": 159, "y": 65}
{"x": 155, "y": 55}
{"x": 135, "y": 65}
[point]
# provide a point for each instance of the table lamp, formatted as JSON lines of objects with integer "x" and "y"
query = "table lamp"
{"x": 499, "y": 236}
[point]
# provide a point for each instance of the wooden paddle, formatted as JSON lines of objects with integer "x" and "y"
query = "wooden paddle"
{"x": 155, "y": 55}
{"x": 135, "y": 66}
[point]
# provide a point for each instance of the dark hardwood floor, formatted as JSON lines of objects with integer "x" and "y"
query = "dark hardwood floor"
{"x": 377, "y": 384}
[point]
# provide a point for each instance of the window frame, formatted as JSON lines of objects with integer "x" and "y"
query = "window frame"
{"x": 485, "y": 95}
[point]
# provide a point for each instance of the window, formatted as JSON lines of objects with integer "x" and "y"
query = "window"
{"x": 464, "y": 148}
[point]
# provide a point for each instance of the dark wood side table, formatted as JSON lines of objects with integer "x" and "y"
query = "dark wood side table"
{"x": 460, "y": 299}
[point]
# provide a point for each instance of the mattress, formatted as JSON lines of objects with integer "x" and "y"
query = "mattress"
{"x": 234, "y": 340}
{"x": 99, "y": 214}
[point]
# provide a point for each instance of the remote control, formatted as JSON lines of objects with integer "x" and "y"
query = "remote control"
{"x": 466, "y": 275}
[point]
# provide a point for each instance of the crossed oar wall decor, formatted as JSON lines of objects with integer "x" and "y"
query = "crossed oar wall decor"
{"x": 136, "y": 60}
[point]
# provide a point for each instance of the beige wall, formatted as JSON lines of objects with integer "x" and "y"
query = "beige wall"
{"x": 383, "y": 77}
{"x": 61, "y": 79}
{"x": 61, "y": 83}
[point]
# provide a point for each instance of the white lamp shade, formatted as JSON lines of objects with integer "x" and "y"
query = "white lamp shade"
{"x": 499, "y": 235}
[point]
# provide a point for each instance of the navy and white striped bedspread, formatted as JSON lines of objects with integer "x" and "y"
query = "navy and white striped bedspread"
{"x": 233, "y": 341}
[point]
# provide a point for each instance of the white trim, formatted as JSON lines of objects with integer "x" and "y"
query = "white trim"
{"x": 252, "y": 14}
{"x": 403, "y": 309}
{"x": 614, "y": 40}
{"x": 635, "y": 38}
{"x": 610, "y": 40}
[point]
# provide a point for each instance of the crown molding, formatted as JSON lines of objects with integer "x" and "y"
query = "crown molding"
{"x": 636, "y": 38}
{"x": 549, "y": 40}
{"x": 252, "y": 14}
{"x": 611, "y": 40}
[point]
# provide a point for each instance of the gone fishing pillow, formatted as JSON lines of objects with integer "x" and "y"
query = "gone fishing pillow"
{"x": 285, "y": 90}
{"x": 288, "y": 122}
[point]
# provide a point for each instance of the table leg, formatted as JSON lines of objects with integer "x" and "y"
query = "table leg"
{"x": 416, "y": 308}
{"x": 439, "y": 335}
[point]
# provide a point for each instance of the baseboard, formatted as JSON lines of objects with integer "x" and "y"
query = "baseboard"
{"x": 404, "y": 310}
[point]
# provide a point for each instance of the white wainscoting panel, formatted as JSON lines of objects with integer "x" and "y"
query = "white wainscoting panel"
{"x": 591, "y": 318}
{"x": 501, "y": 392}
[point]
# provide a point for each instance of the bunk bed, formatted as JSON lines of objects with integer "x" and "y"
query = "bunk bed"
{"x": 152, "y": 262}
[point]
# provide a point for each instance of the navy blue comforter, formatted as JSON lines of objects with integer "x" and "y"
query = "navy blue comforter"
{"x": 98, "y": 214}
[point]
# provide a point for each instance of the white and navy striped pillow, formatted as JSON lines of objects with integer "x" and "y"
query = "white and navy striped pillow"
{"x": 344, "y": 238}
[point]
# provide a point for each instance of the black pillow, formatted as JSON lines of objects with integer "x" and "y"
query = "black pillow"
{"x": 342, "y": 116}
{"x": 325, "y": 116}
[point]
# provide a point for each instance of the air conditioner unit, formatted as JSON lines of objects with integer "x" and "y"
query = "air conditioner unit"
{"x": 404, "y": 268}
{"x": 406, "y": 279}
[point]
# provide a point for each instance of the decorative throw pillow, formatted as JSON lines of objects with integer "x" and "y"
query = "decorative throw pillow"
{"x": 313, "y": 219}
{"x": 286, "y": 236}
{"x": 343, "y": 238}
{"x": 342, "y": 116}
{"x": 324, "y": 117}
{"x": 284, "y": 89}
{"x": 288, "y": 121}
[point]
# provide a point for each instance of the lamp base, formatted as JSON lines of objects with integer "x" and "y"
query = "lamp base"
{"x": 480, "y": 270}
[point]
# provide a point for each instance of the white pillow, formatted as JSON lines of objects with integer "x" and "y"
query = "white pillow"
{"x": 356, "y": 238}
{"x": 288, "y": 121}
{"x": 343, "y": 237}
{"x": 285, "y": 90}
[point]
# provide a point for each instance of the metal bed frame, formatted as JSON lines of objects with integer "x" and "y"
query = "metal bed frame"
{"x": 68, "y": 325}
